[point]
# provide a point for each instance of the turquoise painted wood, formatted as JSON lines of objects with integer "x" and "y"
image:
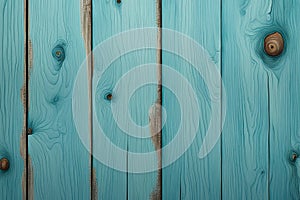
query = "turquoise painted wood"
{"x": 284, "y": 98}
{"x": 11, "y": 108}
{"x": 60, "y": 162}
{"x": 245, "y": 167}
{"x": 191, "y": 177}
{"x": 110, "y": 18}
{"x": 257, "y": 156}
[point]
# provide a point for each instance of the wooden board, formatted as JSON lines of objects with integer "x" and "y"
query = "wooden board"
{"x": 245, "y": 169}
{"x": 110, "y": 18}
{"x": 11, "y": 105}
{"x": 284, "y": 98}
{"x": 251, "y": 160}
{"x": 190, "y": 177}
{"x": 60, "y": 161}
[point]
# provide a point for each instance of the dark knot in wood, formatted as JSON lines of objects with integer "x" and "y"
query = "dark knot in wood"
{"x": 4, "y": 164}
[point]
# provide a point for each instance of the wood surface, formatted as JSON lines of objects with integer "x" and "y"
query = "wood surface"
{"x": 245, "y": 167}
{"x": 110, "y": 18}
{"x": 191, "y": 177}
{"x": 11, "y": 104}
{"x": 60, "y": 162}
{"x": 43, "y": 44}
{"x": 284, "y": 98}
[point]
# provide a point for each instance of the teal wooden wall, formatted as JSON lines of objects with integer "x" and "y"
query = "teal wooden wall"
{"x": 46, "y": 46}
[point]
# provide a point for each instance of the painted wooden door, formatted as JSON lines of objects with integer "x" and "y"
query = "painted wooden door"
{"x": 192, "y": 99}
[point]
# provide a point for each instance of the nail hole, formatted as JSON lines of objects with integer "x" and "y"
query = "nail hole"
{"x": 109, "y": 96}
{"x": 119, "y": 1}
{"x": 29, "y": 131}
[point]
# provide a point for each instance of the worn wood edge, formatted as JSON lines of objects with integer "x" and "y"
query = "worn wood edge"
{"x": 95, "y": 186}
{"x": 156, "y": 112}
{"x": 27, "y": 175}
{"x": 86, "y": 30}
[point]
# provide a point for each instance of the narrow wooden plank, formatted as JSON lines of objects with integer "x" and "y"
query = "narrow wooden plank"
{"x": 11, "y": 108}
{"x": 190, "y": 177}
{"x": 110, "y": 18}
{"x": 284, "y": 97}
{"x": 245, "y": 134}
{"x": 59, "y": 159}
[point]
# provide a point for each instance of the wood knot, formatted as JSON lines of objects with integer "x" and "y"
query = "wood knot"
{"x": 58, "y": 53}
{"x": 293, "y": 156}
{"x": 109, "y": 96}
{"x": 4, "y": 164}
{"x": 274, "y": 44}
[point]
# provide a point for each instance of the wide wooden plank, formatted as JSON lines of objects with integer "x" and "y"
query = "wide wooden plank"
{"x": 11, "y": 107}
{"x": 111, "y": 18}
{"x": 245, "y": 135}
{"x": 284, "y": 97}
{"x": 190, "y": 177}
{"x": 60, "y": 161}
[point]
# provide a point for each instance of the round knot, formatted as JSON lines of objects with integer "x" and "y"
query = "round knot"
{"x": 4, "y": 164}
{"x": 58, "y": 53}
{"x": 274, "y": 44}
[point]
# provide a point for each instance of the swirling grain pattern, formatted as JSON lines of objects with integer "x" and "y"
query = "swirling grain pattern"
{"x": 59, "y": 160}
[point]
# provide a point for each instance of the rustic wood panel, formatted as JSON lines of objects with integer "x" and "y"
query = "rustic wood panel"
{"x": 245, "y": 169}
{"x": 284, "y": 98}
{"x": 110, "y": 18}
{"x": 11, "y": 105}
{"x": 190, "y": 177}
{"x": 60, "y": 161}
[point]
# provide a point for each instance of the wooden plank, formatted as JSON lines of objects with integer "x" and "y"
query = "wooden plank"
{"x": 59, "y": 159}
{"x": 11, "y": 108}
{"x": 190, "y": 177}
{"x": 110, "y": 18}
{"x": 284, "y": 102}
{"x": 245, "y": 135}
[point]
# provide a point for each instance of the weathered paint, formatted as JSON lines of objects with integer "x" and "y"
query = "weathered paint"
{"x": 59, "y": 160}
{"x": 156, "y": 115}
{"x": 11, "y": 107}
{"x": 86, "y": 30}
{"x": 253, "y": 160}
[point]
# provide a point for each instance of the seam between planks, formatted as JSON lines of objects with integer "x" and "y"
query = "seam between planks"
{"x": 86, "y": 25}
{"x": 156, "y": 121}
{"x": 27, "y": 176}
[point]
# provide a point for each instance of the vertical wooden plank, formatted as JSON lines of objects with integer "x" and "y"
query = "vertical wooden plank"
{"x": 60, "y": 161}
{"x": 245, "y": 135}
{"x": 190, "y": 177}
{"x": 11, "y": 108}
{"x": 284, "y": 92}
{"x": 110, "y": 18}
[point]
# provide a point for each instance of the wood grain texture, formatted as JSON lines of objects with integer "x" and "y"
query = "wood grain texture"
{"x": 11, "y": 108}
{"x": 284, "y": 92}
{"x": 110, "y": 18}
{"x": 59, "y": 160}
{"x": 190, "y": 177}
{"x": 245, "y": 154}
